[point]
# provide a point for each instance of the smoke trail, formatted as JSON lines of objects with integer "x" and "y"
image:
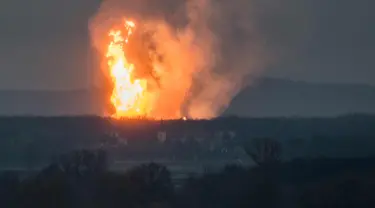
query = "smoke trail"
{"x": 208, "y": 48}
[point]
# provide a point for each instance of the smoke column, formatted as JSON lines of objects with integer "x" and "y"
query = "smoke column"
{"x": 209, "y": 48}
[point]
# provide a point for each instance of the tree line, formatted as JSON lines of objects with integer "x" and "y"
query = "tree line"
{"x": 82, "y": 179}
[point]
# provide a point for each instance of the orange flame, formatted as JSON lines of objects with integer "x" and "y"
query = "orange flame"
{"x": 128, "y": 95}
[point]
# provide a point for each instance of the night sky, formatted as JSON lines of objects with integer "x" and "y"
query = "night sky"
{"x": 44, "y": 43}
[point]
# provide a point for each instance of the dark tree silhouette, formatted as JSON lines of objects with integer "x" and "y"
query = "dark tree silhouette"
{"x": 83, "y": 163}
{"x": 9, "y": 183}
{"x": 151, "y": 183}
{"x": 68, "y": 182}
{"x": 264, "y": 151}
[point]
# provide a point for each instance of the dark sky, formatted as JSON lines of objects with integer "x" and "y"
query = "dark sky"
{"x": 44, "y": 42}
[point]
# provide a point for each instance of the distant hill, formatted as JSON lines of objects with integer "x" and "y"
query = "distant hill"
{"x": 48, "y": 103}
{"x": 265, "y": 98}
{"x": 277, "y": 97}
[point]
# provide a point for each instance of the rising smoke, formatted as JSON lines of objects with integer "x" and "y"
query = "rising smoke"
{"x": 208, "y": 48}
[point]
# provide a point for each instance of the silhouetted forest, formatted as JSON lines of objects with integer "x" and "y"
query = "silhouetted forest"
{"x": 81, "y": 179}
{"x": 34, "y": 141}
{"x": 294, "y": 162}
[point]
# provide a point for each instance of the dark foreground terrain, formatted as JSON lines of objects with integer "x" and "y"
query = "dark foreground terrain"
{"x": 81, "y": 179}
{"x": 273, "y": 162}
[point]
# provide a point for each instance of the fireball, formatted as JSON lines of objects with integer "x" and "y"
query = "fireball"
{"x": 129, "y": 93}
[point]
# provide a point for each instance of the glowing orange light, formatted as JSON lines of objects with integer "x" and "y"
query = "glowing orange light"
{"x": 128, "y": 95}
